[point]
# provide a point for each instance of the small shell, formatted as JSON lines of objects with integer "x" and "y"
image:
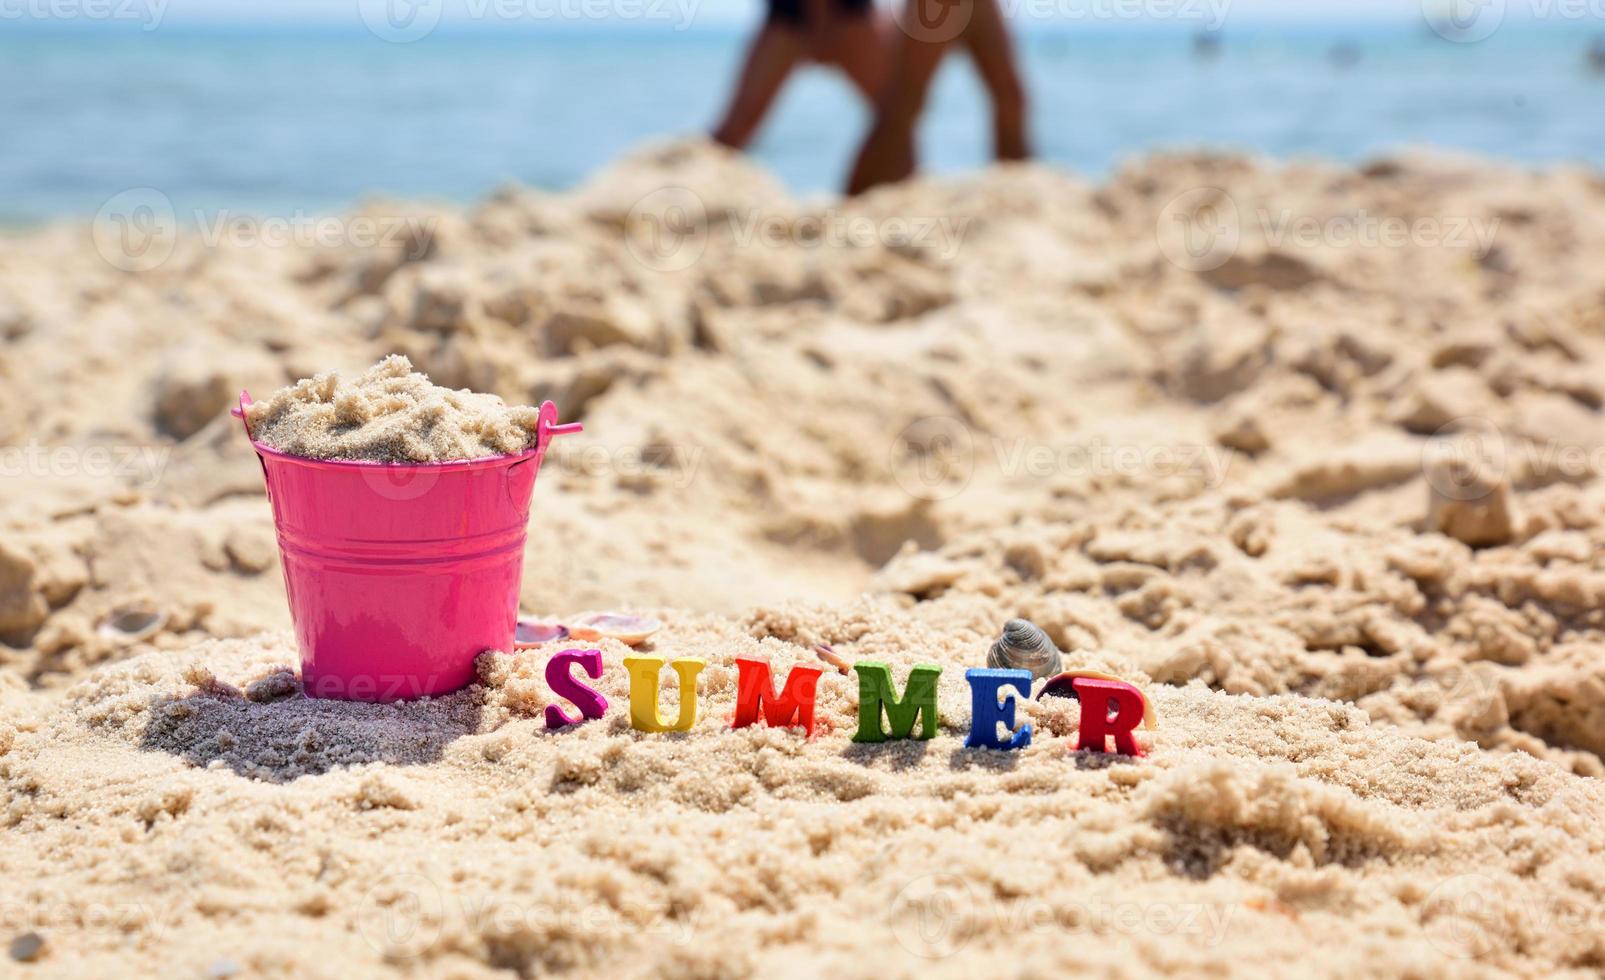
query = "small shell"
{"x": 830, "y": 656}
{"x": 629, "y": 630}
{"x": 1023, "y": 646}
{"x": 533, "y": 632}
{"x": 127, "y": 625}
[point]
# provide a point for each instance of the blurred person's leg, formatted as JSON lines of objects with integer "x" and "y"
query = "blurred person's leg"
{"x": 775, "y": 50}
{"x": 993, "y": 52}
{"x": 860, "y": 45}
{"x": 888, "y": 152}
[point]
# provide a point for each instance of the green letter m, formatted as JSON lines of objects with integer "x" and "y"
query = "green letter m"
{"x": 875, "y": 691}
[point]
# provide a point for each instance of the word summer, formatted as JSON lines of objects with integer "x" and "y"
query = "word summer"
{"x": 882, "y": 713}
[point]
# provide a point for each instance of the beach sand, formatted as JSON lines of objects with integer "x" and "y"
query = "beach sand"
{"x": 390, "y": 413}
{"x": 1331, "y": 498}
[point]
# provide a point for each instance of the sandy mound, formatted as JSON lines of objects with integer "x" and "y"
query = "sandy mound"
{"x": 1346, "y": 445}
{"x": 1499, "y": 646}
{"x": 390, "y": 414}
{"x": 194, "y": 810}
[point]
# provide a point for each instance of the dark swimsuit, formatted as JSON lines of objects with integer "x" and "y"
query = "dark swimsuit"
{"x": 793, "y": 13}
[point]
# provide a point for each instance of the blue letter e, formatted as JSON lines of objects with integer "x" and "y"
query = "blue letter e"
{"x": 987, "y": 713}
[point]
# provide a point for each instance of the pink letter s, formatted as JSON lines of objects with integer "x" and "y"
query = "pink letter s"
{"x": 559, "y": 678}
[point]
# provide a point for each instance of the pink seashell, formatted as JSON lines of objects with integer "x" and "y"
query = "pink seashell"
{"x": 1061, "y": 686}
{"x": 629, "y": 630}
{"x": 532, "y": 633}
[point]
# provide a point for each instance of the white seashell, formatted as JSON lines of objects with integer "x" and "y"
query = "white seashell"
{"x": 127, "y": 625}
{"x": 628, "y": 630}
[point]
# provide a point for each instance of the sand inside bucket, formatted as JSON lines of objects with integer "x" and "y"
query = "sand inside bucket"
{"x": 390, "y": 413}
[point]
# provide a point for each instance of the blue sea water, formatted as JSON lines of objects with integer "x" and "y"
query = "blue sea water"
{"x": 286, "y": 122}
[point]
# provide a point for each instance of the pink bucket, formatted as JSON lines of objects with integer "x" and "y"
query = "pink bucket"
{"x": 400, "y": 574}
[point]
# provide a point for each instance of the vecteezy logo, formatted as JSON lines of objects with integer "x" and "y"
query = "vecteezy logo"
{"x": 1463, "y": 21}
{"x": 400, "y": 482}
{"x": 933, "y": 458}
{"x": 401, "y": 21}
{"x": 1199, "y": 229}
{"x": 935, "y": 915}
{"x": 1459, "y": 911}
{"x": 935, "y": 21}
{"x": 667, "y": 229}
{"x": 1465, "y": 459}
{"x": 136, "y": 231}
{"x": 401, "y": 915}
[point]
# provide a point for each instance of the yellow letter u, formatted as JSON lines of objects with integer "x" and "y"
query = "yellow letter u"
{"x": 644, "y": 672}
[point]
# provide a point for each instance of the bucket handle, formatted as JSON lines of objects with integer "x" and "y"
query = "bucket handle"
{"x": 546, "y": 425}
{"x": 239, "y": 413}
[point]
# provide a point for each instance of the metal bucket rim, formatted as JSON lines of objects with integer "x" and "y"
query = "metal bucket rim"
{"x": 482, "y": 462}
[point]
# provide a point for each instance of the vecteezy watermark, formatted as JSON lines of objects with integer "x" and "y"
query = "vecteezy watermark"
{"x": 1362, "y": 229}
{"x": 1466, "y": 458}
{"x": 370, "y": 687}
{"x": 406, "y": 21}
{"x": 1463, "y": 21}
{"x": 46, "y": 913}
{"x": 941, "y": 21}
{"x": 1466, "y": 915}
{"x": 936, "y": 915}
{"x": 1207, "y": 15}
{"x": 1035, "y": 460}
{"x": 138, "y": 466}
{"x": 675, "y": 464}
{"x": 1199, "y": 229}
{"x": 668, "y": 230}
{"x": 137, "y": 230}
{"x": 402, "y": 917}
{"x": 935, "y": 21}
{"x": 147, "y": 14}
{"x": 934, "y": 458}
{"x": 414, "y": 232}
{"x": 401, "y": 21}
{"x": 1202, "y": 228}
{"x": 1469, "y": 21}
{"x": 1469, "y": 457}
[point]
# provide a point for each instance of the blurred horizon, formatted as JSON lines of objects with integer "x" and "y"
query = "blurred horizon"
{"x": 729, "y": 18}
{"x": 474, "y": 16}
{"x": 317, "y": 116}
